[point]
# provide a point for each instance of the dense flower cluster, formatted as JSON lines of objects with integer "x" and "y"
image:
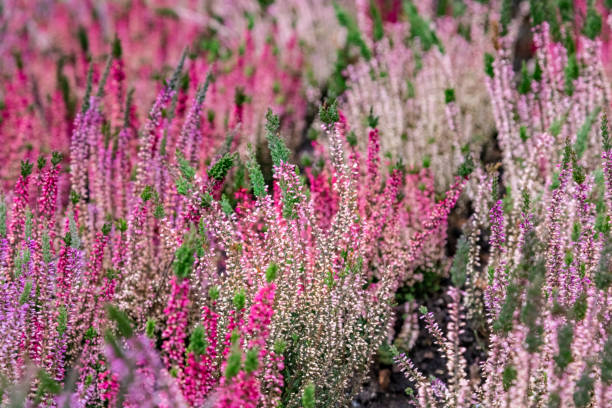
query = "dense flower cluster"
{"x": 221, "y": 204}
{"x": 547, "y": 292}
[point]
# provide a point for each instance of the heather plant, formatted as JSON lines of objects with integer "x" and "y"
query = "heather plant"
{"x": 559, "y": 99}
{"x": 311, "y": 25}
{"x": 545, "y": 287}
{"x": 261, "y": 236}
{"x": 249, "y": 73}
{"x": 424, "y": 82}
{"x": 547, "y": 307}
{"x": 236, "y": 299}
{"x": 395, "y": 202}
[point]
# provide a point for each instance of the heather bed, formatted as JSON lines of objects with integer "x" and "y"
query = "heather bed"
{"x": 305, "y": 204}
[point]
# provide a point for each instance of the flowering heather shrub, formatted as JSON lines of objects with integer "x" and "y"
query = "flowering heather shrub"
{"x": 397, "y": 200}
{"x": 235, "y": 297}
{"x": 547, "y": 307}
{"x": 250, "y": 74}
{"x": 547, "y": 281}
{"x": 245, "y": 282}
{"x": 419, "y": 73}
